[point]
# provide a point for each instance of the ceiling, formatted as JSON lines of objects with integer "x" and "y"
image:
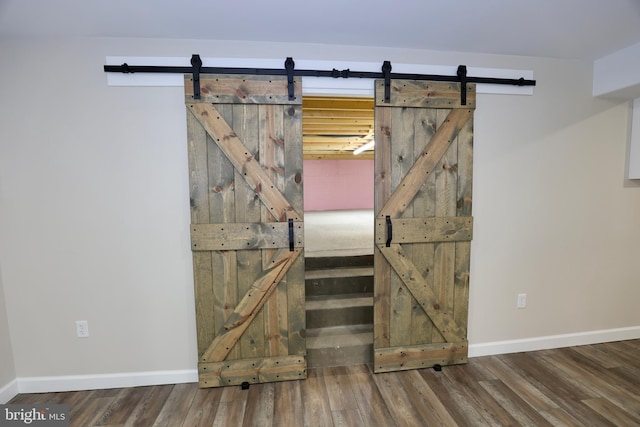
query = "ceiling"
{"x": 333, "y": 127}
{"x": 577, "y": 29}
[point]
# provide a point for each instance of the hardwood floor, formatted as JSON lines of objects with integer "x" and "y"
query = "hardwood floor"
{"x": 594, "y": 385}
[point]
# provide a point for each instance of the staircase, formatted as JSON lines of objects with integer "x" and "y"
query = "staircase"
{"x": 339, "y": 310}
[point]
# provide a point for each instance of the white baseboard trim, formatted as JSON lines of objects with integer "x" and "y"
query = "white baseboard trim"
{"x": 553, "y": 341}
{"x": 136, "y": 379}
{"x": 104, "y": 381}
{"x": 8, "y": 391}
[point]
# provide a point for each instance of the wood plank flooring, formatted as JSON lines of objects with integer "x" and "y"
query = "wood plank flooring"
{"x": 594, "y": 385}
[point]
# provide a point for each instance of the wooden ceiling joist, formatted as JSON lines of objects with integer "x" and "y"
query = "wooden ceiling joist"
{"x": 333, "y": 127}
{"x": 337, "y": 103}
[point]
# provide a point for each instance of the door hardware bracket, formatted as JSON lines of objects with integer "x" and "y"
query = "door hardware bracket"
{"x": 386, "y": 71}
{"x": 196, "y": 63}
{"x": 462, "y": 75}
{"x": 288, "y": 65}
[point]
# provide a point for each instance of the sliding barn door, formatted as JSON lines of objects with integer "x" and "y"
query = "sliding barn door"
{"x": 423, "y": 227}
{"x": 245, "y": 165}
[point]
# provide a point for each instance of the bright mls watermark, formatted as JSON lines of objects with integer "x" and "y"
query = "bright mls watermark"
{"x": 34, "y": 415}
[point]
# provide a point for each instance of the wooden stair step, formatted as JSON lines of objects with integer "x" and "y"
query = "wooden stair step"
{"x": 339, "y": 311}
{"x": 339, "y": 286}
{"x": 331, "y": 311}
{"x": 339, "y": 346}
{"x": 328, "y": 302}
{"x": 337, "y": 262}
{"x": 339, "y": 336}
{"x": 330, "y": 273}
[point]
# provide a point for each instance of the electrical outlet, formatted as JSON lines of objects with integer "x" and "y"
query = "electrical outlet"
{"x": 522, "y": 301}
{"x": 82, "y": 329}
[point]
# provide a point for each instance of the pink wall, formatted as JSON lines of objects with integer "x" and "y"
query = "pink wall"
{"x": 338, "y": 184}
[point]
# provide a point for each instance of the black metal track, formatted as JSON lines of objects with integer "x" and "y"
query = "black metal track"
{"x": 124, "y": 68}
{"x": 196, "y": 69}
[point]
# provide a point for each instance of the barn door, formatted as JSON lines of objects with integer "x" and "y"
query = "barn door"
{"x": 245, "y": 165}
{"x": 423, "y": 165}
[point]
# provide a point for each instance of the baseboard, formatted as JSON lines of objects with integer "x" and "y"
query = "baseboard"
{"x": 9, "y": 391}
{"x": 554, "y": 341}
{"x": 136, "y": 379}
{"x": 104, "y": 381}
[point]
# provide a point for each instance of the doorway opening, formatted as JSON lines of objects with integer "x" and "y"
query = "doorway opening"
{"x": 338, "y": 151}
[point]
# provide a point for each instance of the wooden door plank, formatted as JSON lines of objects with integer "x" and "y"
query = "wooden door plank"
{"x": 402, "y": 158}
{"x": 422, "y": 253}
{"x": 222, "y": 209}
{"x": 246, "y": 125}
{"x": 406, "y": 270}
{"x": 252, "y": 371}
{"x": 425, "y": 94}
{"x": 465, "y": 169}
{"x": 271, "y": 140}
{"x": 198, "y": 171}
{"x": 431, "y": 155}
{"x": 271, "y": 143}
{"x": 463, "y": 204}
{"x": 426, "y": 230}
{"x": 243, "y": 160}
{"x": 293, "y": 162}
{"x": 202, "y": 262}
{"x": 222, "y": 178}
{"x": 240, "y": 89}
{"x": 445, "y": 204}
{"x": 244, "y": 236}
{"x": 382, "y": 270}
{"x": 262, "y": 288}
{"x": 293, "y": 191}
{"x": 249, "y": 305}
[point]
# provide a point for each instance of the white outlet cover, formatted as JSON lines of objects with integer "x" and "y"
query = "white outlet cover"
{"x": 82, "y": 329}
{"x": 522, "y": 301}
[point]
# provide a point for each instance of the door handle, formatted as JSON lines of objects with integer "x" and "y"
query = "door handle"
{"x": 389, "y": 231}
{"x": 290, "y": 234}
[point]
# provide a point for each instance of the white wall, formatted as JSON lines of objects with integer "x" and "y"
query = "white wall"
{"x": 95, "y": 208}
{"x": 7, "y": 366}
{"x": 94, "y": 205}
{"x": 554, "y": 216}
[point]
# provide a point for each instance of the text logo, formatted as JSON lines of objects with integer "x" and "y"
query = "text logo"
{"x": 34, "y": 415}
